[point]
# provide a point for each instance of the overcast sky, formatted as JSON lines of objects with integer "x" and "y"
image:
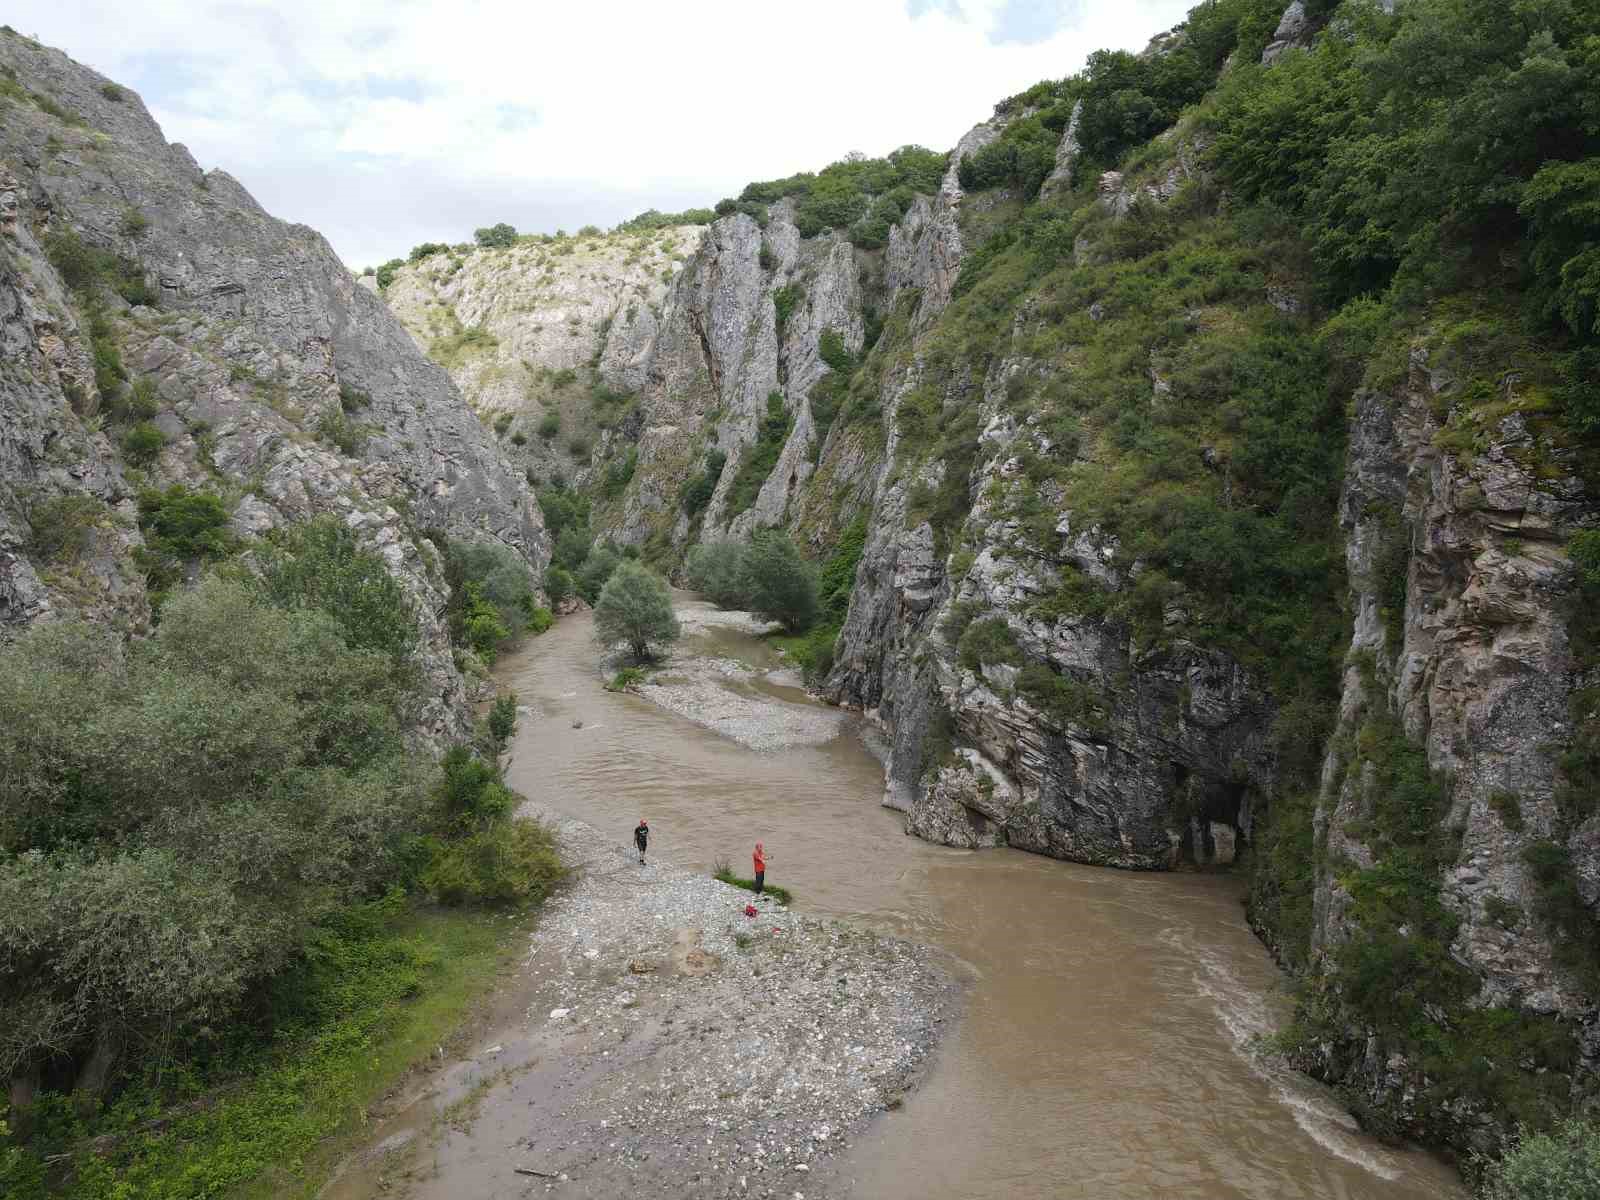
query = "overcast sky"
{"x": 384, "y": 123}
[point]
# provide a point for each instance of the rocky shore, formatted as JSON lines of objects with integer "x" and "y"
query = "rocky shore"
{"x": 659, "y": 1041}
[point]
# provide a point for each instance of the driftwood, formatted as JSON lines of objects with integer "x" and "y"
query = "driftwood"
{"x": 531, "y": 1171}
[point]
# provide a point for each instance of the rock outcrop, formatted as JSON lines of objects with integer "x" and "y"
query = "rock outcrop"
{"x": 241, "y": 339}
{"x": 528, "y": 331}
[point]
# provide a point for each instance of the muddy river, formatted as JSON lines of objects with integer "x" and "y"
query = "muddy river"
{"x": 1108, "y": 1042}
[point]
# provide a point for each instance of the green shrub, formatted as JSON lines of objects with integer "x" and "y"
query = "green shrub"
{"x": 451, "y": 350}
{"x": 988, "y": 641}
{"x": 717, "y": 571}
{"x": 550, "y": 425}
{"x": 539, "y": 619}
{"x": 143, "y": 443}
{"x": 385, "y": 274}
{"x": 113, "y": 93}
{"x": 320, "y": 564}
{"x": 426, "y": 250}
{"x": 352, "y": 399}
{"x": 134, "y": 224}
{"x": 558, "y": 584}
{"x": 812, "y": 652}
{"x": 625, "y": 679}
{"x": 498, "y": 236}
{"x": 142, "y": 402}
{"x": 723, "y": 873}
{"x": 784, "y": 301}
{"x": 579, "y": 447}
{"x": 596, "y": 571}
{"x": 635, "y": 607}
{"x": 60, "y": 527}
{"x": 91, "y": 271}
{"x": 512, "y": 862}
{"x": 698, "y": 489}
{"x": 502, "y": 720}
{"x": 838, "y": 577}
{"x": 781, "y": 585}
{"x": 1558, "y": 1164}
{"x": 618, "y": 474}
{"x": 338, "y": 430}
{"x": 651, "y": 219}
{"x": 1560, "y": 907}
{"x": 761, "y": 457}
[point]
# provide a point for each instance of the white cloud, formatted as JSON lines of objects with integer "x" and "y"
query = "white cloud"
{"x": 384, "y": 124}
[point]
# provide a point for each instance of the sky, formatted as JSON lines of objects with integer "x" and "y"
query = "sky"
{"x": 385, "y": 123}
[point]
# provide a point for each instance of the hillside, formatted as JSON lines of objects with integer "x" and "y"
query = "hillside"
{"x": 1211, "y": 438}
{"x": 163, "y": 331}
{"x": 546, "y": 338}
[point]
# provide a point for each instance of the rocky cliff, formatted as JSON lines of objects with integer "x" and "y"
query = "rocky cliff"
{"x": 159, "y": 328}
{"x": 548, "y": 339}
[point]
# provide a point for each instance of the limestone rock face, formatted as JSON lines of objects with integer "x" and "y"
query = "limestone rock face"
{"x": 1294, "y": 29}
{"x": 257, "y": 339}
{"x": 1060, "y": 177}
{"x": 546, "y": 319}
{"x": 1478, "y": 668}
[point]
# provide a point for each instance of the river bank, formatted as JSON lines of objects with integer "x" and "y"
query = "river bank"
{"x": 1110, "y": 1036}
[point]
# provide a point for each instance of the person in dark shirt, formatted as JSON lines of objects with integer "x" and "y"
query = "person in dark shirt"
{"x": 641, "y": 838}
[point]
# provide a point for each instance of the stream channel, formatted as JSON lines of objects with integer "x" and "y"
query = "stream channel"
{"x": 1107, "y": 1045}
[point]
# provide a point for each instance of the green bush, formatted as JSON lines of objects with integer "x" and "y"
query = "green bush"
{"x": 717, "y": 571}
{"x": 385, "y": 274}
{"x": 238, "y": 775}
{"x": 618, "y": 474}
{"x": 812, "y": 652}
{"x": 352, "y": 399}
{"x": 60, "y": 527}
{"x": 539, "y": 619}
{"x": 782, "y": 585}
{"x": 338, "y": 430}
{"x": 784, "y": 301}
{"x": 320, "y": 565}
{"x": 651, "y": 219}
{"x": 550, "y": 425}
{"x": 1558, "y": 1164}
{"x": 635, "y": 607}
{"x": 512, "y": 862}
{"x": 143, "y": 444}
{"x": 497, "y": 236}
{"x": 559, "y": 584}
{"x": 596, "y": 571}
{"x": 698, "y": 489}
{"x": 491, "y": 593}
{"x": 761, "y": 457}
{"x": 625, "y": 679}
{"x": 91, "y": 271}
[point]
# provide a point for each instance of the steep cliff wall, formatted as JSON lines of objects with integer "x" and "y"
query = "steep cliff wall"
{"x": 549, "y": 339}
{"x": 160, "y": 328}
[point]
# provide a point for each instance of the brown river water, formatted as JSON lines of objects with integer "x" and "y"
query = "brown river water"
{"x": 1107, "y": 1047}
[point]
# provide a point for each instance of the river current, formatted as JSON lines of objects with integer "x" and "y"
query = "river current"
{"x": 1109, "y": 1045}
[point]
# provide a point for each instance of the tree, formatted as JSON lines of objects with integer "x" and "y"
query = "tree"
{"x": 782, "y": 586}
{"x": 717, "y": 571}
{"x": 635, "y": 607}
{"x": 596, "y": 570}
{"x": 496, "y": 236}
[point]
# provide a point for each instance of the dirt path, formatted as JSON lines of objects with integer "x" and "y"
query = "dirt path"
{"x": 657, "y": 1041}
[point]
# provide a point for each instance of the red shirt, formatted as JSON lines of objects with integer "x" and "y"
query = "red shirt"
{"x": 760, "y": 861}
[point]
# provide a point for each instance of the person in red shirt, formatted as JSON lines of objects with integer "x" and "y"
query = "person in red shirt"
{"x": 761, "y": 867}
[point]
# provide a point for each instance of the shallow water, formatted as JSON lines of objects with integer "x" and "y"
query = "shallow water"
{"x": 1108, "y": 1043}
